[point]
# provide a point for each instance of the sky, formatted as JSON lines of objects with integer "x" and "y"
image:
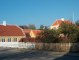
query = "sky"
{"x": 38, "y": 12}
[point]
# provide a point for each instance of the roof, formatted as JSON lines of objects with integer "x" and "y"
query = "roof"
{"x": 59, "y": 22}
{"x": 26, "y": 31}
{"x": 10, "y": 30}
{"x": 36, "y": 32}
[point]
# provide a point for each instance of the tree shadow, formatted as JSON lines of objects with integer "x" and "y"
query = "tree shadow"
{"x": 23, "y": 55}
{"x": 73, "y": 53}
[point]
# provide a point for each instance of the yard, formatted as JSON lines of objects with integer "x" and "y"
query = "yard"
{"x": 23, "y": 54}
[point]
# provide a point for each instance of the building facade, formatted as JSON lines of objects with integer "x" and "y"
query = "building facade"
{"x": 10, "y": 34}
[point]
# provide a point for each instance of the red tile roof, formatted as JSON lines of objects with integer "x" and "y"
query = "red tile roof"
{"x": 36, "y": 32}
{"x": 11, "y": 30}
{"x": 27, "y": 31}
{"x": 59, "y": 22}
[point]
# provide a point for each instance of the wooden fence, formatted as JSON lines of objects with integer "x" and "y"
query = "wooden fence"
{"x": 43, "y": 46}
{"x": 58, "y": 46}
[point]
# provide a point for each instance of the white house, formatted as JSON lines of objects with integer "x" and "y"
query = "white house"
{"x": 11, "y": 35}
{"x": 58, "y": 23}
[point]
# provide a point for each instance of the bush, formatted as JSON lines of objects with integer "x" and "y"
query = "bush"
{"x": 70, "y": 31}
{"x": 48, "y": 36}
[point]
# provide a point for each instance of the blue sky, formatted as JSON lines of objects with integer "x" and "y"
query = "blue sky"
{"x": 38, "y": 12}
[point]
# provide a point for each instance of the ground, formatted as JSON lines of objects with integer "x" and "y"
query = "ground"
{"x": 24, "y": 54}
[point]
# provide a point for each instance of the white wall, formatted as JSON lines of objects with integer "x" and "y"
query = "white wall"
{"x": 28, "y": 45}
{"x": 54, "y": 27}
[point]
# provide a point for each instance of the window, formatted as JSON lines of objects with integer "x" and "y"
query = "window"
{"x": 9, "y": 39}
{"x": 15, "y": 39}
{"x": 3, "y": 39}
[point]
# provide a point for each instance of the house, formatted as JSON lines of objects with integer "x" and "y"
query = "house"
{"x": 27, "y": 32}
{"x": 28, "y": 36}
{"x": 35, "y": 33}
{"x": 31, "y": 33}
{"x": 58, "y": 23}
{"x": 10, "y": 34}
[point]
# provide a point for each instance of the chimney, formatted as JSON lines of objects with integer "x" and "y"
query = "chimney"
{"x": 62, "y": 19}
{"x": 4, "y": 23}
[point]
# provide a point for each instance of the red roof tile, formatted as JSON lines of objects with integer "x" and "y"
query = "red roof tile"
{"x": 10, "y": 30}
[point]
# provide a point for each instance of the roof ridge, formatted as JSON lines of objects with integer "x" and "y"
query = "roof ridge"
{"x": 21, "y": 30}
